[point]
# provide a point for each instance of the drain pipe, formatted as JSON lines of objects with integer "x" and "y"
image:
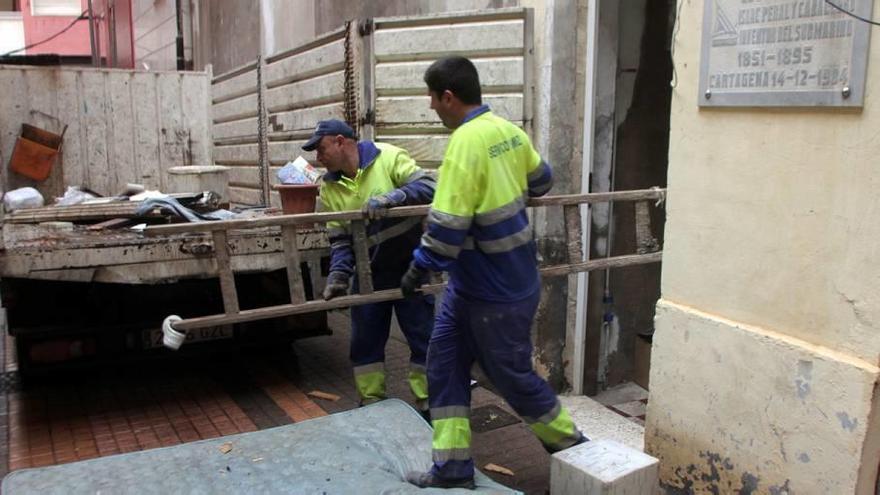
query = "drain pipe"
{"x": 92, "y": 36}
{"x": 181, "y": 62}
{"x": 580, "y": 320}
{"x": 610, "y": 323}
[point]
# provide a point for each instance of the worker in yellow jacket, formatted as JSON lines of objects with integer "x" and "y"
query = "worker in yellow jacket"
{"x": 478, "y": 232}
{"x": 373, "y": 177}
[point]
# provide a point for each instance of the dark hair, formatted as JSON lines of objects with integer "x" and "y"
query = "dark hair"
{"x": 458, "y": 75}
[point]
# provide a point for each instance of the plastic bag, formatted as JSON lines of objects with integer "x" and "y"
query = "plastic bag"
{"x": 298, "y": 171}
{"x": 73, "y": 196}
{"x": 25, "y": 197}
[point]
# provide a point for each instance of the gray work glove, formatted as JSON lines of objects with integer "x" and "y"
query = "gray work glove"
{"x": 337, "y": 285}
{"x": 377, "y": 206}
{"x": 414, "y": 278}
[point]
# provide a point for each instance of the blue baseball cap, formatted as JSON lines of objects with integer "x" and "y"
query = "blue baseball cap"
{"x": 332, "y": 127}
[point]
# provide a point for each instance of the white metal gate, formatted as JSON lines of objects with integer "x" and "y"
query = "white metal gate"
{"x": 498, "y": 41}
{"x": 369, "y": 73}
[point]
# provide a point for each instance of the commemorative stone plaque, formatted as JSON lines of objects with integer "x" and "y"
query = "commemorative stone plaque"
{"x": 772, "y": 53}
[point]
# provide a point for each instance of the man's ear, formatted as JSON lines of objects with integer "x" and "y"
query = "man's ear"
{"x": 447, "y": 96}
{"x": 339, "y": 139}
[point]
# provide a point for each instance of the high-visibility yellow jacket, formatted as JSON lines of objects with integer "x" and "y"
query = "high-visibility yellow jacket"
{"x": 478, "y": 229}
{"x": 382, "y": 169}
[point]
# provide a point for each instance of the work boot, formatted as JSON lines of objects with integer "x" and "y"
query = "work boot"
{"x": 429, "y": 480}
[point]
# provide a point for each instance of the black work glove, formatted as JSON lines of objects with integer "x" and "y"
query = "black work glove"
{"x": 414, "y": 278}
{"x": 337, "y": 285}
{"x": 377, "y": 206}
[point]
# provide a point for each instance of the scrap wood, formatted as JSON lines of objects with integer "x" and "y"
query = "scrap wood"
{"x": 77, "y": 213}
{"x": 113, "y": 223}
{"x": 225, "y": 448}
{"x": 495, "y": 468}
{"x": 323, "y": 395}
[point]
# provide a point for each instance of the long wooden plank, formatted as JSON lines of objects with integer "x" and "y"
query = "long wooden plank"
{"x": 74, "y": 213}
{"x": 362, "y": 256}
{"x": 281, "y": 152}
{"x": 224, "y": 272}
{"x": 174, "y": 136}
{"x": 146, "y": 130}
{"x": 445, "y": 18}
{"x": 96, "y": 125}
{"x": 233, "y": 88}
{"x": 292, "y": 257}
{"x": 236, "y": 154}
{"x": 307, "y": 93}
{"x": 504, "y": 38}
{"x": 197, "y": 116}
{"x": 304, "y": 119}
{"x": 403, "y": 211}
{"x": 236, "y": 109}
{"x": 244, "y": 176}
{"x": 407, "y": 78}
{"x": 12, "y": 115}
{"x": 655, "y": 193}
{"x": 393, "y": 294}
{"x": 405, "y": 109}
{"x": 319, "y": 60}
{"x": 246, "y": 128}
{"x": 72, "y": 159}
{"x": 121, "y": 113}
{"x": 423, "y": 149}
{"x": 40, "y": 98}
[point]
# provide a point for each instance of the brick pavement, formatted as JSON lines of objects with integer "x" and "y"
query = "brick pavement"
{"x": 114, "y": 410}
{"x": 103, "y": 412}
{"x": 322, "y": 363}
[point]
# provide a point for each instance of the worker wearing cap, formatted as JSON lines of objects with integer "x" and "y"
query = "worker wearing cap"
{"x": 478, "y": 232}
{"x": 373, "y": 177}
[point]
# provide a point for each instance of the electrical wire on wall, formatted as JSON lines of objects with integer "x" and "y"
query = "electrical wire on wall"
{"x": 83, "y": 16}
{"x": 838, "y": 7}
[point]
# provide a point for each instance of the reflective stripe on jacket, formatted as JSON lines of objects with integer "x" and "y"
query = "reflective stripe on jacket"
{"x": 478, "y": 228}
{"x": 382, "y": 168}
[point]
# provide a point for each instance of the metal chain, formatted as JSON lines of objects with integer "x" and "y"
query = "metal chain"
{"x": 350, "y": 97}
{"x": 262, "y": 135}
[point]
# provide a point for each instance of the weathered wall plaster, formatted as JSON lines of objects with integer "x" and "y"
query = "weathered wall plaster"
{"x": 774, "y": 212}
{"x": 751, "y": 409}
{"x": 764, "y": 372}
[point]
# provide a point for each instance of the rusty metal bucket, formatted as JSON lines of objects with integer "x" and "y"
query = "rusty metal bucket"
{"x": 35, "y": 152}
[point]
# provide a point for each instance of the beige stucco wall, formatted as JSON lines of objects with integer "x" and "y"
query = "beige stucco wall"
{"x": 768, "y": 333}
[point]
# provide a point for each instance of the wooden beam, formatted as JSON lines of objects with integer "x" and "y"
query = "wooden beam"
{"x": 113, "y": 223}
{"x": 602, "y": 264}
{"x": 392, "y": 294}
{"x": 602, "y": 197}
{"x": 403, "y": 211}
{"x": 224, "y": 271}
{"x": 362, "y": 256}
{"x": 292, "y": 258}
{"x": 79, "y": 213}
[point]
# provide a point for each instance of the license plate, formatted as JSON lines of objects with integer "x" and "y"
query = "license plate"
{"x": 153, "y": 338}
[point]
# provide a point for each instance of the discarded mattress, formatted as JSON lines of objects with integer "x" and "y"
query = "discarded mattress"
{"x": 366, "y": 450}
